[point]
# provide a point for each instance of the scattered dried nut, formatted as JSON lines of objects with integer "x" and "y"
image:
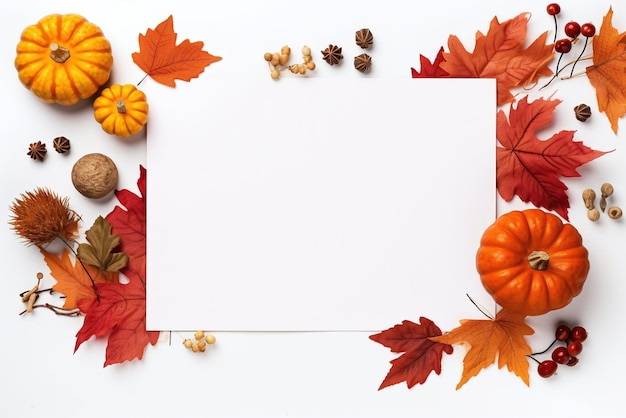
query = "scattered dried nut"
{"x": 614, "y": 212}
{"x": 582, "y": 112}
{"x": 607, "y": 190}
{"x": 94, "y": 175}
{"x": 593, "y": 214}
{"x": 589, "y": 196}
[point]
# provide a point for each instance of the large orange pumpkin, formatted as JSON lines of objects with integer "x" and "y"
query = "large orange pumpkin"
{"x": 531, "y": 262}
{"x": 63, "y": 58}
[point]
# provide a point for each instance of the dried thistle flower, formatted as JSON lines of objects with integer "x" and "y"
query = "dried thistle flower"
{"x": 332, "y": 55}
{"x": 41, "y": 216}
{"x": 37, "y": 151}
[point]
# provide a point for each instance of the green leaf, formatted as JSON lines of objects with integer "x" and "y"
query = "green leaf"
{"x": 99, "y": 251}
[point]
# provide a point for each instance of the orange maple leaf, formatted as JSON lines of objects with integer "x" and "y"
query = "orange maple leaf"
{"x": 608, "y": 72}
{"x": 72, "y": 278}
{"x": 502, "y": 337}
{"x": 164, "y": 61}
{"x": 500, "y": 55}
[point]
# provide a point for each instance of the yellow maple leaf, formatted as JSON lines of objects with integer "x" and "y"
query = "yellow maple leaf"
{"x": 502, "y": 337}
{"x": 608, "y": 72}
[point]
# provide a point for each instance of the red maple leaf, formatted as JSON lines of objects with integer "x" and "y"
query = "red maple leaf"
{"x": 529, "y": 167}
{"x": 164, "y": 61}
{"x": 120, "y": 312}
{"x": 430, "y": 69}
{"x": 420, "y": 357}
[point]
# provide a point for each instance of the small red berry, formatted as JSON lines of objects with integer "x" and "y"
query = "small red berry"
{"x": 578, "y": 334}
{"x": 572, "y": 361}
{"x": 561, "y": 355}
{"x": 574, "y": 348}
{"x": 547, "y": 368}
{"x": 572, "y": 29}
{"x": 562, "y": 332}
{"x": 588, "y": 30}
{"x": 563, "y": 46}
{"x": 553, "y": 9}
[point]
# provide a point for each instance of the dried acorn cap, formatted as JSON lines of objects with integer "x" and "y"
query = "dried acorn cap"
{"x": 582, "y": 112}
{"x": 363, "y": 62}
{"x": 37, "y": 151}
{"x": 61, "y": 144}
{"x": 364, "y": 38}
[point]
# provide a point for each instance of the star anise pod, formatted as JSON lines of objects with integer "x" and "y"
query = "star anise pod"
{"x": 363, "y": 62}
{"x": 61, "y": 144}
{"x": 37, "y": 151}
{"x": 332, "y": 54}
{"x": 364, "y": 38}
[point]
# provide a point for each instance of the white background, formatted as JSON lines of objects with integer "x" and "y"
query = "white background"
{"x": 290, "y": 374}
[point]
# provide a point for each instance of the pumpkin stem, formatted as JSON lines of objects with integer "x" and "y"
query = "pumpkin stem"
{"x": 121, "y": 106}
{"x": 58, "y": 53}
{"x": 539, "y": 260}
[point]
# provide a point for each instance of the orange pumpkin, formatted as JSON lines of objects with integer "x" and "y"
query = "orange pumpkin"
{"x": 531, "y": 262}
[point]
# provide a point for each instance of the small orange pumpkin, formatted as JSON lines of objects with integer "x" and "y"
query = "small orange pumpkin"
{"x": 531, "y": 262}
{"x": 121, "y": 110}
{"x": 63, "y": 58}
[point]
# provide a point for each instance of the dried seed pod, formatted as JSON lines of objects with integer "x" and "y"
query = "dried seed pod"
{"x": 363, "y": 62}
{"x": 607, "y": 190}
{"x": 61, "y": 144}
{"x": 37, "y": 151}
{"x": 593, "y": 214}
{"x": 614, "y": 212}
{"x": 588, "y": 197}
{"x": 582, "y": 112}
{"x": 364, "y": 38}
{"x": 332, "y": 55}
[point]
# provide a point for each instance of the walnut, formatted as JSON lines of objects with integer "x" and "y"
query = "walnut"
{"x": 94, "y": 175}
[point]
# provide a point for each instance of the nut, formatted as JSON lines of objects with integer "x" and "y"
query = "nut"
{"x": 593, "y": 214}
{"x": 614, "y": 212}
{"x": 94, "y": 175}
{"x": 589, "y": 196}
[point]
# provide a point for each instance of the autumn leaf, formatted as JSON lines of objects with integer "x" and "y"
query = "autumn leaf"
{"x": 120, "y": 313}
{"x": 420, "y": 357}
{"x": 529, "y": 167}
{"x": 99, "y": 251}
{"x": 164, "y": 61}
{"x": 430, "y": 69}
{"x": 608, "y": 72}
{"x": 501, "y": 55}
{"x": 502, "y": 337}
{"x": 72, "y": 278}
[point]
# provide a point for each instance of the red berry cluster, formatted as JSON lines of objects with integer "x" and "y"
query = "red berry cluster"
{"x": 564, "y": 354}
{"x": 572, "y": 31}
